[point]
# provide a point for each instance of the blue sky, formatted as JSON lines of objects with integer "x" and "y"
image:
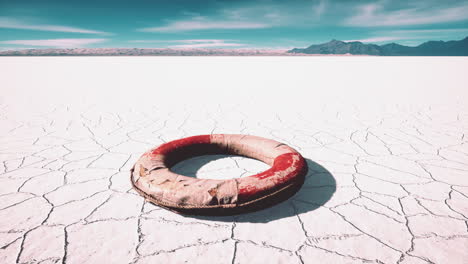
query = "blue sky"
{"x": 225, "y": 23}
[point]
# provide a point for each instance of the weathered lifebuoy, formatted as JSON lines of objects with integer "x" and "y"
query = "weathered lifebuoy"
{"x": 151, "y": 175}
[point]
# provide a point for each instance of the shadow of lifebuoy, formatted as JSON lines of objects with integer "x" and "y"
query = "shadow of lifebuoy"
{"x": 318, "y": 189}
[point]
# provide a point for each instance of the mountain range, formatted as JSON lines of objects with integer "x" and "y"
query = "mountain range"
{"x": 430, "y": 48}
{"x": 146, "y": 52}
{"x": 334, "y": 47}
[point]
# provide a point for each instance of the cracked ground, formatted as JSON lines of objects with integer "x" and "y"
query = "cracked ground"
{"x": 388, "y": 177}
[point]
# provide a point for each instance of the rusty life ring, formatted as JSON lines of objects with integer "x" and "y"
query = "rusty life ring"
{"x": 152, "y": 178}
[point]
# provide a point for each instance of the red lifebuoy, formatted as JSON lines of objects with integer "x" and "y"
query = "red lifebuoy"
{"x": 151, "y": 175}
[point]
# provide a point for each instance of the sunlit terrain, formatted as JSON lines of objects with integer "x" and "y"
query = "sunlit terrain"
{"x": 386, "y": 140}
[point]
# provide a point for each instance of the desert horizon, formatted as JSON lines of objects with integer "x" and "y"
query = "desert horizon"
{"x": 333, "y": 47}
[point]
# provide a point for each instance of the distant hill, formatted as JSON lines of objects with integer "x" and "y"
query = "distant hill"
{"x": 430, "y": 48}
{"x": 340, "y": 47}
{"x": 334, "y": 47}
{"x": 145, "y": 52}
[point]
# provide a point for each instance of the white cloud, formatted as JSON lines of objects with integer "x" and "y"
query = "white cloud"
{"x": 320, "y": 8}
{"x": 377, "y": 39}
{"x": 204, "y": 24}
{"x": 207, "y": 45}
{"x": 55, "y": 43}
{"x": 179, "y": 41}
{"x": 276, "y": 14}
{"x": 429, "y": 31}
{"x": 8, "y": 22}
{"x": 372, "y": 15}
{"x": 13, "y": 48}
{"x": 270, "y": 14}
{"x": 194, "y": 43}
{"x": 250, "y": 16}
{"x": 412, "y": 35}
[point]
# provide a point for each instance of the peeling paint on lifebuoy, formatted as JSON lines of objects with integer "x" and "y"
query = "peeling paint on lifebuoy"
{"x": 151, "y": 175}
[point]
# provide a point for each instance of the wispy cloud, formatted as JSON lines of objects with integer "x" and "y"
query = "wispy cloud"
{"x": 251, "y": 16}
{"x": 372, "y": 15}
{"x": 13, "y": 48}
{"x": 279, "y": 14}
{"x": 13, "y": 23}
{"x": 194, "y": 43}
{"x": 377, "y": 39}
{"x": 429, "y": 31}
{"x": 320, "y": 8}
{"x": 411, "y": 35}
{"x": 55, "y": 43}
{"x": 204, "y": 24}
{"x": 206, "y": 45}
{"x": 178, "y": 40}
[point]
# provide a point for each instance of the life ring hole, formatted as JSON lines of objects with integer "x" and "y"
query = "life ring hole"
{"x": 219, "y": 166}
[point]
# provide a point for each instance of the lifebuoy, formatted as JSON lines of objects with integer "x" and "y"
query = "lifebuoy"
{"x": 152, "y": 178}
